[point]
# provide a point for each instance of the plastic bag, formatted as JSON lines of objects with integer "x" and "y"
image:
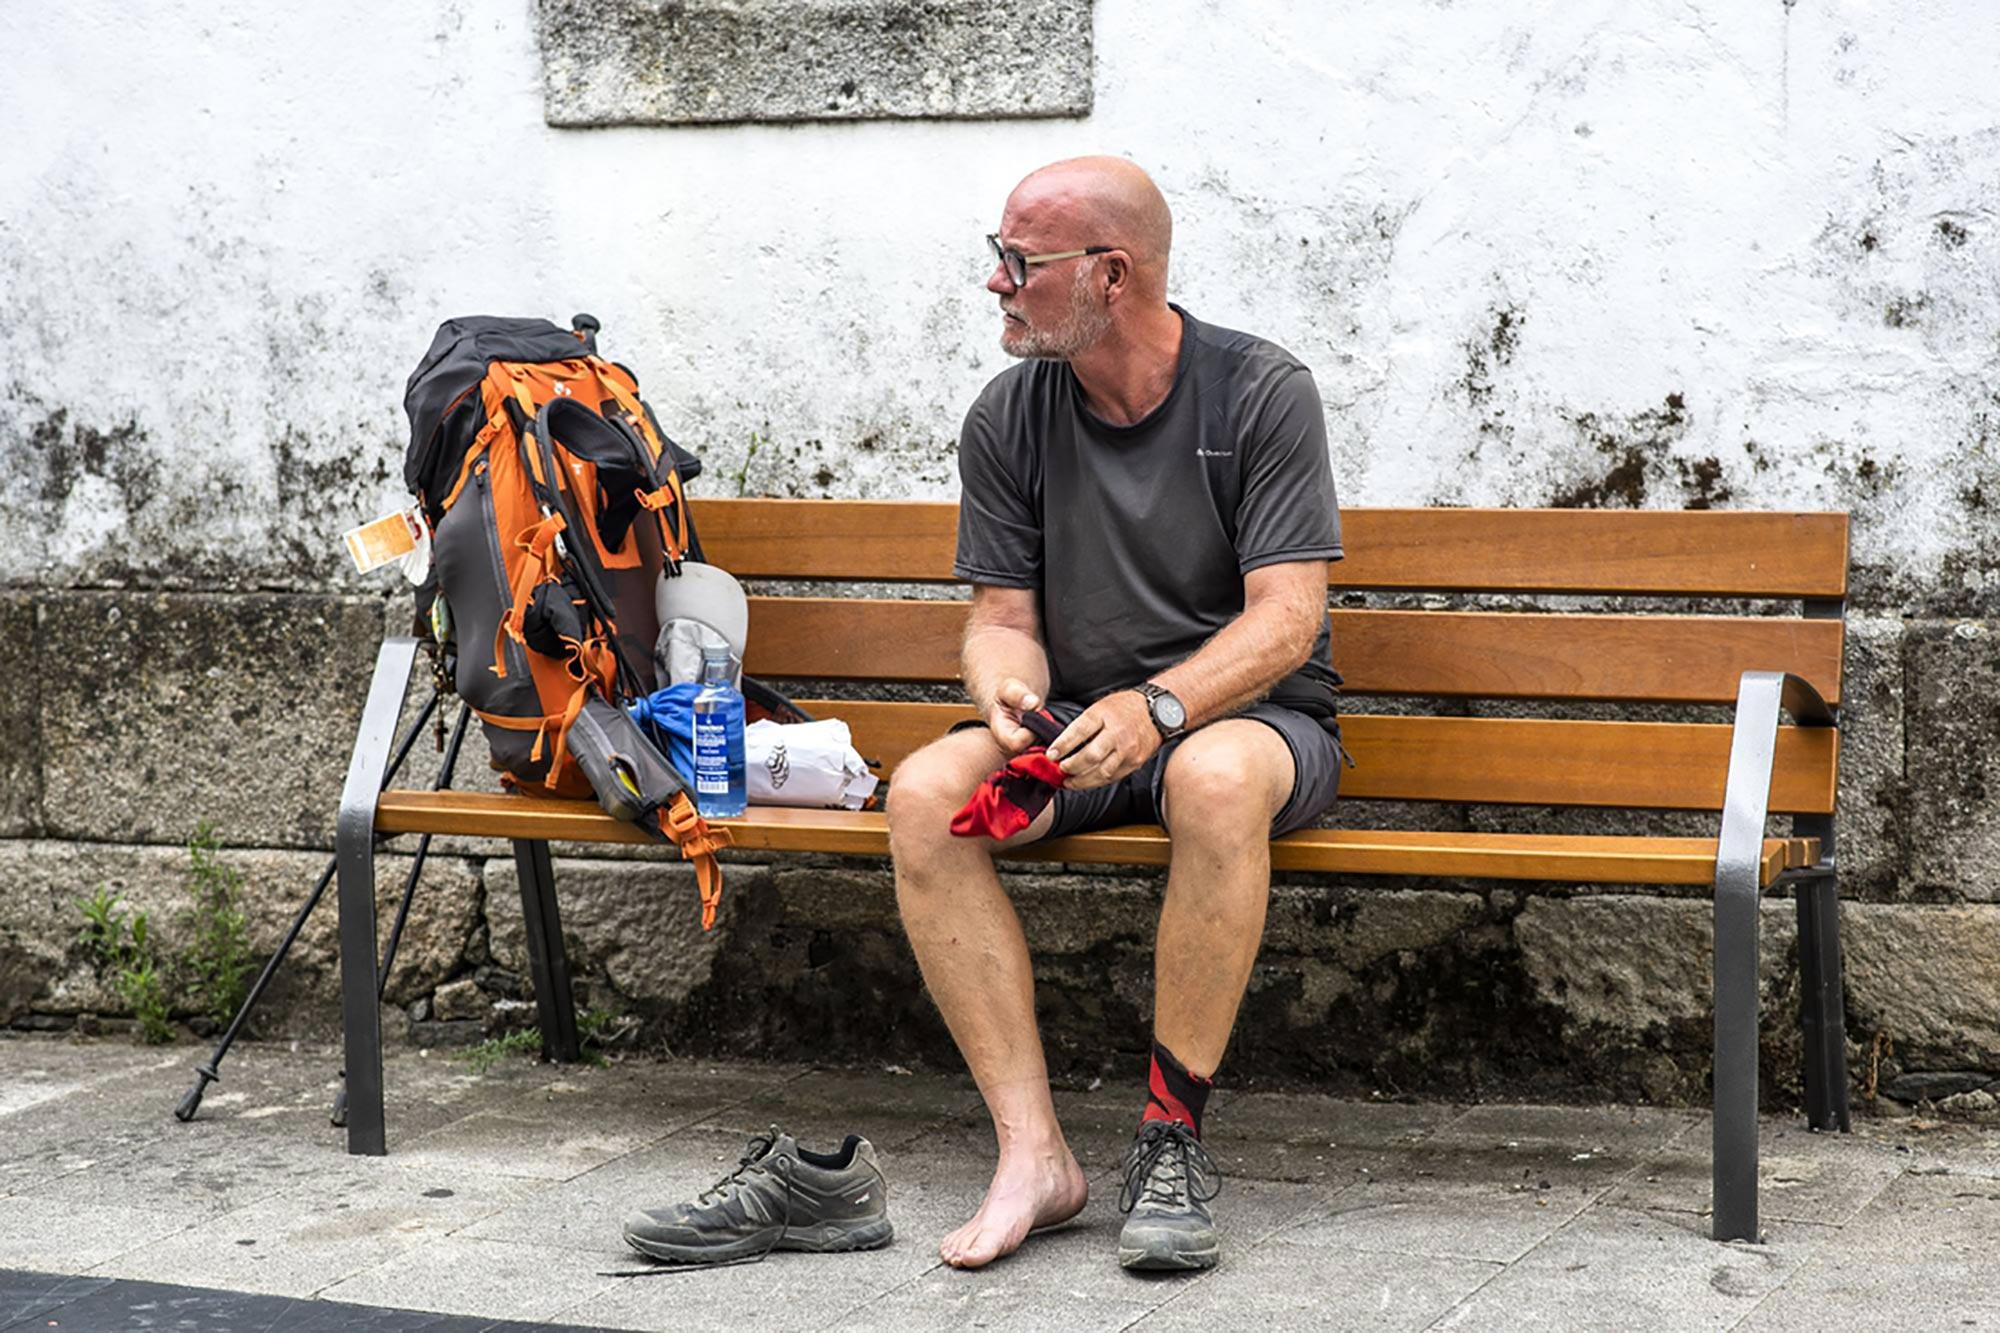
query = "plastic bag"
{"x": 812, "y": 764}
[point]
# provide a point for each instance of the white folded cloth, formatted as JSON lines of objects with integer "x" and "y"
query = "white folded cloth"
{"x": 811, "y": 764}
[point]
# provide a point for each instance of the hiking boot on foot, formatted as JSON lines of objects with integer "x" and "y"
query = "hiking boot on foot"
{"x": 779, "y": 1197}
{"x": 1169, "y": 1180}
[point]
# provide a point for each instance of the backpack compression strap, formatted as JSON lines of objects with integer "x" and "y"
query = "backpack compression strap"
{"x": 669, "y": 502}
{"x": 699, "y": 841}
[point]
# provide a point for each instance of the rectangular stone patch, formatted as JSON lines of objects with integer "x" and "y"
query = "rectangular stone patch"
{"x": 639, "y": 62}
{"x": 20, "y": 721}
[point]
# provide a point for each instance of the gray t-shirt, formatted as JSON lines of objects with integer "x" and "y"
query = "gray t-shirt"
{"x": 1138, "y": 537}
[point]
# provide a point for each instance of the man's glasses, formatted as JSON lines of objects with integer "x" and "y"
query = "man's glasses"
{"x": 1017, "y": 264}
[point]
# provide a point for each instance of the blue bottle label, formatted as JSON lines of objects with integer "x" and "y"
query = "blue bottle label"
{"x": 711, "y": 755}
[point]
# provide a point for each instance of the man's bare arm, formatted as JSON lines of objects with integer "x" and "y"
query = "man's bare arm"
{"x": 1003, "y": 661}
{"x": 1284, "y": 606}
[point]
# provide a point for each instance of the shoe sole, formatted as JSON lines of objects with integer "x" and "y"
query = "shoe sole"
{"x": 1167, "y": 1253}
{"x": 829, "y": 1238}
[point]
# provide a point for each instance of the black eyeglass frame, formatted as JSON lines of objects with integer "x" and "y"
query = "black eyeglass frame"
{"x": 1018, "y": 264}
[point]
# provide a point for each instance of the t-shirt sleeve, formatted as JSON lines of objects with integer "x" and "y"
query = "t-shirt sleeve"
{"x": 1288, "y": 510}
{"x": 999, "y": 526}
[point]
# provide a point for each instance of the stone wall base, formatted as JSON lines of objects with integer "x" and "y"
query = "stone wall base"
{"x": 1363, "y": 986}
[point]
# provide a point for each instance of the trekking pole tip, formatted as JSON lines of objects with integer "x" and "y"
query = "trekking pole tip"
{"x": 192, "y": 1102}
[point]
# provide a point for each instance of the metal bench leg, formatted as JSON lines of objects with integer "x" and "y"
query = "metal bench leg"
{"x": 1746, "y": 800}
{"x": 548, "y": 961}
{"x": 1822, "y": 1013}
{"x": 1736, "y": 1003}
{"x": 354, "y": 853}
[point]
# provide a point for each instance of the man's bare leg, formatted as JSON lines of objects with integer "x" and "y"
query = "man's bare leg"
{"x": 968, "y": 942}
{"x": 1223, "y": 786}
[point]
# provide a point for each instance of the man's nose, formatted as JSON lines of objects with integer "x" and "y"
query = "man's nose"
{"x": 998, "y": 282}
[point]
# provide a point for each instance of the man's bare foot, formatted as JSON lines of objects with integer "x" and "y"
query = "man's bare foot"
{"x": 1028, "y": 1191}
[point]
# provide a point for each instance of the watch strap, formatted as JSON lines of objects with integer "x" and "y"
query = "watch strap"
{"x": 1151, "y": 692}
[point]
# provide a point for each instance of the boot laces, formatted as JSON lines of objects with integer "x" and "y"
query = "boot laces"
{"x": 1168, "y": 1166}
{"x": 754, "y": 1152}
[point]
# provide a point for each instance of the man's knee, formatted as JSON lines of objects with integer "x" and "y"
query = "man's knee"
{"x": 1227, "y": 780}
{"x": 932, "y": 783}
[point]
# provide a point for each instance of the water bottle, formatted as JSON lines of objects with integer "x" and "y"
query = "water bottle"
{"x": 719, "y": 787}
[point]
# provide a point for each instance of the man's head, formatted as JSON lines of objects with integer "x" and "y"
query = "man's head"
{"x": 1085, "y": 203}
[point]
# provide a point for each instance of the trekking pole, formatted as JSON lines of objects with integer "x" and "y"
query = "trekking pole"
{"x": 208, "y": 1073}
{"x": 338, "y": 1115}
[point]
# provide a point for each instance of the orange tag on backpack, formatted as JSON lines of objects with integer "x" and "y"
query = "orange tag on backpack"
{"x": 388, "y": 538}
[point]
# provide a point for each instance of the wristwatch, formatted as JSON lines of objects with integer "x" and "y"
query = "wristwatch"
{"x": 1169, "y": 713}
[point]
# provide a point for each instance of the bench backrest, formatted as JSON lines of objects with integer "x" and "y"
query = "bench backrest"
{"x": 1427, "y": 630}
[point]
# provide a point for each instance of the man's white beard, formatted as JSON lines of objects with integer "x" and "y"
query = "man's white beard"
{"x": 1083, "y": 325}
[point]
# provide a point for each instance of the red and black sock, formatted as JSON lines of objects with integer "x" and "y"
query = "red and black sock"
{"x": 1009, "y": 800}
{"x": 1173, "y": 1093}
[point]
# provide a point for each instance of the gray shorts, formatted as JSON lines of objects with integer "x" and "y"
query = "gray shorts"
{"x": 1135, "y": 798}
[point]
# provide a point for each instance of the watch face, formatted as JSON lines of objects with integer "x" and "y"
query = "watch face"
{"x": 1169, "y": 712}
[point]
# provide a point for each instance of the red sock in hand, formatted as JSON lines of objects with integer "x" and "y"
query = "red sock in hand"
{"x": 1009, "y": 800}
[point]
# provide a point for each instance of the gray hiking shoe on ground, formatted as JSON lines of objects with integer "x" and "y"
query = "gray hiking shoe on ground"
{"x": 779, "y": 1197}
{"x": 1169, "y": 1180}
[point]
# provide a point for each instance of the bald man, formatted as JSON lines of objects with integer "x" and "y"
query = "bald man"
{"x": 1146, "y": 520}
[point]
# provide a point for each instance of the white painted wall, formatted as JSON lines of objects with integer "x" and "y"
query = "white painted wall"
{"x": 229, "y": 229}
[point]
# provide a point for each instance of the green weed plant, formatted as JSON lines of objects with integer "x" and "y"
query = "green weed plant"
{"x": 121, "y": 946}
{"x": 217, "y": 960}
{"x": 209, "y": 976}
{"x": 596, "y": 1030}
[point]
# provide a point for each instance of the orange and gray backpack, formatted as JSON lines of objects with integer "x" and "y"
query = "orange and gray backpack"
{"x": 556, "y": 504}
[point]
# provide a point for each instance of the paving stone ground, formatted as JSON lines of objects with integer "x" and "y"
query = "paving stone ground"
{"x": 499, "y": 1205}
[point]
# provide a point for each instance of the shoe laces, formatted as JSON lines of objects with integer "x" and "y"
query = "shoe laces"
{"x": 755, "y": 1151}
{"x": 1167, "y": 1165}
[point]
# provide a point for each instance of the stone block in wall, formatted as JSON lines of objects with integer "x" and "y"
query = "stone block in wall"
{"x": 1872, "y": 818}
{"x": 1630, "y": 962}
{"x": 635, "y": 925}
{"x": 634, "y": 62}
{"x": 1632, "y": 977}
{"x": 22, "y": 665}
{"x": 171, "y": 708}
{"x": 1953, "y": 761}
{"x": 43, "y": 969}
{"x": 1928, "y": 978}
{"x": 1636, "y": 973}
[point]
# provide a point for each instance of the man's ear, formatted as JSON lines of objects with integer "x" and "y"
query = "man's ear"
{"x": 1117, "y": 275}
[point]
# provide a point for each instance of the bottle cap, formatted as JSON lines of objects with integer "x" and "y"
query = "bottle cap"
{"x": 717, "y": 653}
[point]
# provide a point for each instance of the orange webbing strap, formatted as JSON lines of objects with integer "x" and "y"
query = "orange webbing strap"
{"x": 541, "y": 565}
{"x": 671, "y": 496}
{"x": 608, "y": 379}
{"x": 522, "y": 393}
{"x": 481, "y": 443}
{"x": 560, "y": 724}
{"x": 699, "y": 841}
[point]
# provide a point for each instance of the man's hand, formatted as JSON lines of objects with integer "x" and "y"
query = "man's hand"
{"x": 1109, "y": 739}
{"x": 1003, "y": 719}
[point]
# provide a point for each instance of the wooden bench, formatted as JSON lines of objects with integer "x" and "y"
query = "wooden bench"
{"x": 1425, "y": 648}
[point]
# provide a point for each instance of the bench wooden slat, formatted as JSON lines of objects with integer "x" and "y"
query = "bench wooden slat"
{"x": 1602, "y": 860}
{"x": 1714, "y": 553}
{"x": 1468, "y": 654}
{"x": 1504, "y": 761}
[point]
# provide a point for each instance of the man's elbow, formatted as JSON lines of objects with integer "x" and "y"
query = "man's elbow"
{"x": 1306, "y": 639}
{"x": 1299, "y": 632}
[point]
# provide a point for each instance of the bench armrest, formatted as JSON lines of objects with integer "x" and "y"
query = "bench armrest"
{"x": 370, "y": 760}
{"x": 1753, "y": 743}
